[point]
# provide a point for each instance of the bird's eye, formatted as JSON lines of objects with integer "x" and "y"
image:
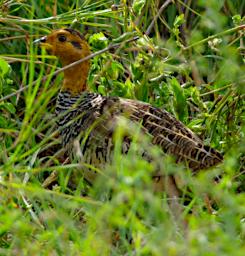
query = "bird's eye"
{"x": 62, "y": 38}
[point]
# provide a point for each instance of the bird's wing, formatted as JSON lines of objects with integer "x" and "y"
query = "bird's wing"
{"x": 171, "y": 135}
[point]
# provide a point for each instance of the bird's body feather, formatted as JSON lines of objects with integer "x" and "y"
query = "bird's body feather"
{"x": 93, "y": 118}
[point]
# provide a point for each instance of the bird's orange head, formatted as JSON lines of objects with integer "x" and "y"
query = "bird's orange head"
{"x": 69, "y": 46}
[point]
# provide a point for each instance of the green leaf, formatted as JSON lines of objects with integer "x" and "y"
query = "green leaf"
{"x": 4, "y": 67}
{"x": 237, "y": 20}
{"x": 9, "y": 107}
{"x": 138, "y": 6}
{"x": 196, "y": 125}
{"x": 125, "y": 36}
{"x": 98, "y": 41}
{"x": 195, "y": 95}
{"x": 101, "y": 89}
{"x": 3, "y": 122}
{"x": 179, "y": 101}
{"x": 179, "y": 20}
{"x": 115, "y": 69}
{"x": 130, "y": 88}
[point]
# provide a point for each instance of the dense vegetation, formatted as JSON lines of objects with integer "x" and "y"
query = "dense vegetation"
{"x": 184, "y": 56}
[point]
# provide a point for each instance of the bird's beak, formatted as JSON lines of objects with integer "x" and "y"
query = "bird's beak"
{"x": 40, "y": 40}
{"x": 43, "y": 43}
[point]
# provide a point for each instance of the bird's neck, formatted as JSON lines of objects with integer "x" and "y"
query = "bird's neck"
{"x": 75, "y": 78}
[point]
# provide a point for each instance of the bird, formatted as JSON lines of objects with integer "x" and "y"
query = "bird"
{"x": 87, "y": 120}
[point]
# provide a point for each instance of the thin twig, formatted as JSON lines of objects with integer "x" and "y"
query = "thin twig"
{"x": 216, "y": 90}
{"x": 228, "y": 31}
{"x": 148, "y": 31}
{"x": 15, "y": 37}
{"x": 12, "y": 60}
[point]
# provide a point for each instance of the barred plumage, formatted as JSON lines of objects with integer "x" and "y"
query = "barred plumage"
{"x": 78, "y": 115}
{"x": 91, "y": 119}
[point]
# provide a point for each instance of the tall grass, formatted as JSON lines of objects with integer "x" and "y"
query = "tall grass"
{"x": 191, "y": 62}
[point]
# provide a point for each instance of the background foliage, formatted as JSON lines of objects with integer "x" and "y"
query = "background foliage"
{"x": 190, "y": 61}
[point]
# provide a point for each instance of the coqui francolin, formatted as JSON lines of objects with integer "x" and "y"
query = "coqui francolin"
{"x": 81, "y": 112}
